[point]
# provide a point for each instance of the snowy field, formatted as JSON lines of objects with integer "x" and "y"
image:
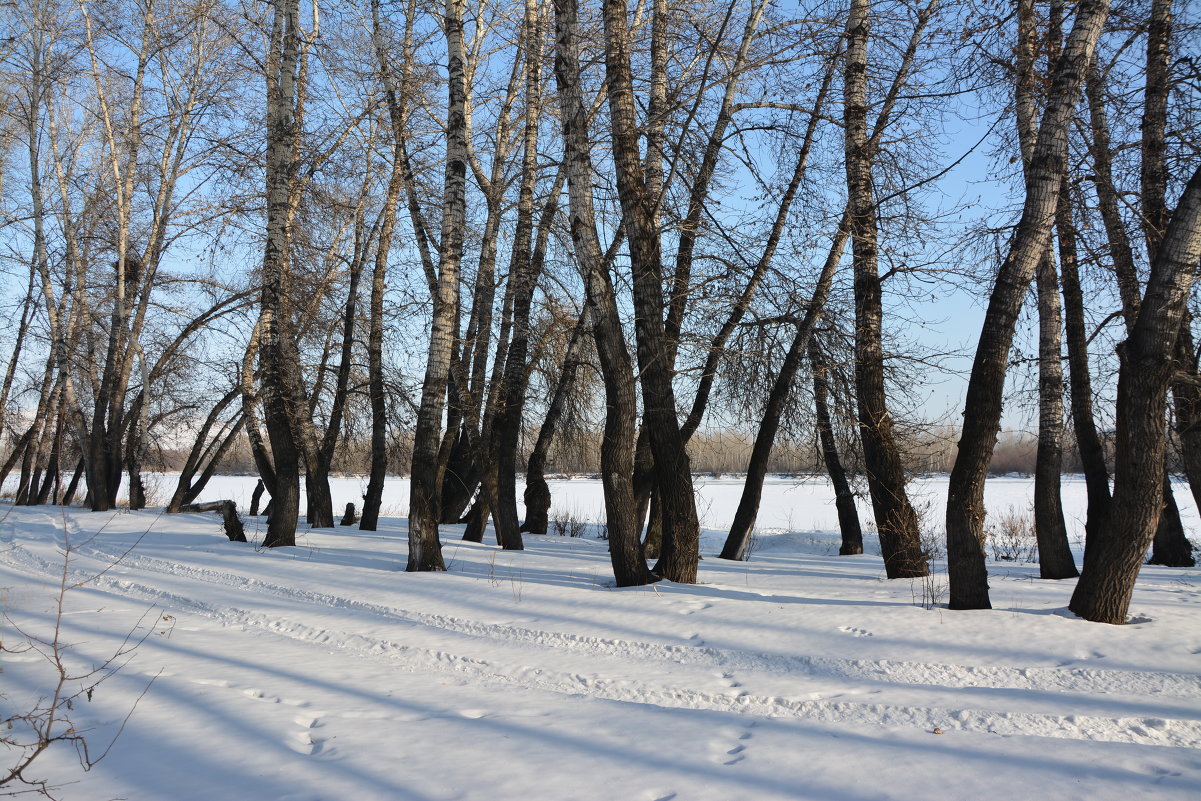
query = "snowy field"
{"x": 324, "y": 672}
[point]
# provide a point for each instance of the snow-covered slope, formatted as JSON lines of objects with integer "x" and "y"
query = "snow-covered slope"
{"x": 325, "y": 672}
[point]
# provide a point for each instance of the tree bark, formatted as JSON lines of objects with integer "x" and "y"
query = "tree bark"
{"x": 425, "y": 549}
{"x": 229, "y": 516}
{"x": 278, "y": 360}
{"x": 1111, "y": 564}
{"x": 537, "y": 492}
{"x": 681, "y": 531}
{"x": 1054, "y": 553}
{"x": 896, "y": 521}
{"x": 982, "y": 410}
{"x": 752, "y": 491}
{"x": 617, "y": 443}
{"x": 1088, "y": 442}
{"x": 844, "y": 496}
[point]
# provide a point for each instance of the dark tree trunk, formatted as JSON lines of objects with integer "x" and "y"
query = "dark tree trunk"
{"x": 537, "y": 492}
{"x": 229, "y": 516}
{"x": 73, "y": 486}
{"x": 255, "y": 498}
{"x": 982, "y": 410}
{"x": 1170, "y": 548}
{"x": 1054, "y": 552}
{"x": 1187, "y": 397}
{"x": 1170, "y": 534}
{"x": 896, "y": 521}
{"x": 752, "y": 492}
{"x": 373, "y": 498}
{"x": 281, "y": 392}
{"x": 1088, "y": 443}
{"x": 18, "y": 452}
{"x": 461, "y": 479}
{"x": 425, "y": 549}
{"x": 844, "y": 496}
{"x": 197, "y": 452}
{"x": 1147, "y": 365}
{"x": 617, "y": 443}
{"x": 673, "y": 479}
{"x": 476, "y": 520}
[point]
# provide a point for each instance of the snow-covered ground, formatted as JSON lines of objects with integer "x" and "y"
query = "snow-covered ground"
{"x": 326, "y": 672}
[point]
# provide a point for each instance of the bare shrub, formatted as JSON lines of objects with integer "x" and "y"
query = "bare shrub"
{"x": 1011, "y": 538}
{"x": 568, "y": 523}
{"x": 31, "y": 726}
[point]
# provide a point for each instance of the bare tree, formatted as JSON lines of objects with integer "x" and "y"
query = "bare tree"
{"x": 1111, "y": 562}
{"x": 617, "y": 453}
{"x": 425, "y": 549}
{"x": 982, "y": 410}
{"x": 896, "y": 521}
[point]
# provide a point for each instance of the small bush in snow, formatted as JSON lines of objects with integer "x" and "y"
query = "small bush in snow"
{"x": 1011, "y": 538}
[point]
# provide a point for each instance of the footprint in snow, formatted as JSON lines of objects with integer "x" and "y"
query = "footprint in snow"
{"x": 694, "y": 608}
{"x": 727, "y": 679}
{"x": 730, "y": 746}
{"x": 856, "y": 632}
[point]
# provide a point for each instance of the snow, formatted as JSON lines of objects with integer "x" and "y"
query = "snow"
{"x": 326, "y": 672}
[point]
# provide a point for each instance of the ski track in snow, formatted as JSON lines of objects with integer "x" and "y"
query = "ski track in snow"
{"x": 529, "y": 644}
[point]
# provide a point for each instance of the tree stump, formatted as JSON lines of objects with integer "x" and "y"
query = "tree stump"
{"x": 255, "y": 497}
{"x": 229, "y": 515}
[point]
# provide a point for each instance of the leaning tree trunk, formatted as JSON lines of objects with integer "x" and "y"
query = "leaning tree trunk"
{"x": 844, "y": 496}
{"x": 967, "y": 574}
{"x": 752, "y": 491}
{"x": 537, "y": 492}
{"x": 896, "y": 520}
{"x": 1111, "y": 564}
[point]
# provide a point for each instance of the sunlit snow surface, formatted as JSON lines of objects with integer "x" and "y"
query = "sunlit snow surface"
{"x": 326, "y": 672}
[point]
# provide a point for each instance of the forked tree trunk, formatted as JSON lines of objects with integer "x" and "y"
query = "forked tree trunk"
{"x": 197, "y": 452}
{"x": 1170, "y": 537}
{"x": 617, "y": 443}
{"x": 681, "y": 532}
{"x": 982, "y": 410}
{"x": 1111, "y": 564}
